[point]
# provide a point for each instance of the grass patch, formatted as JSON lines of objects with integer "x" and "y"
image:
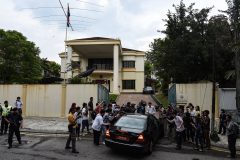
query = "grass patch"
{"x": 162, "y": 99}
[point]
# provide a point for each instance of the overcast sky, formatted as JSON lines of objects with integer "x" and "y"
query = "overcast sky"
{"x": 135, "y": 22}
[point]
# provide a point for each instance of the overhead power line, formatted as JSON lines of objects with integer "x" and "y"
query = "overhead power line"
{"x": 90, "y": 3}
{"x": 47, "y": 16}
{"x": 59, "y": 20}
{"x": 84, "y": 9}
{"x": 77, "y": 24}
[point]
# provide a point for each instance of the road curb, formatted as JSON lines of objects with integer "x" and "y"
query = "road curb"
{"x": 224, "y": 146}
{"x": 41, "y": 133}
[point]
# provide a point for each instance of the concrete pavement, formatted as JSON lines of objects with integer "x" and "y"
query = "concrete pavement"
{"x": 50, "y": 148}
{"x": 45, "y": 125}
{"x": 59, "y": 126}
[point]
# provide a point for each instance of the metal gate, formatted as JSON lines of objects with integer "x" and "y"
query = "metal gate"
{"x": 103, "y": 94}
{"x": 172, "y": 94}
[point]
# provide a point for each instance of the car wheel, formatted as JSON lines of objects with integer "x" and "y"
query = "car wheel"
{"x": 150, "y": 147}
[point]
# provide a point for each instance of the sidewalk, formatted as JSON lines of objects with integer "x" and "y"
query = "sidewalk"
{"x": 45, "y": 125}
{"x": 223, "y": 143}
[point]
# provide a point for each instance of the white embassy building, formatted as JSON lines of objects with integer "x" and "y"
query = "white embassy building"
{"x": 120, "y": 70}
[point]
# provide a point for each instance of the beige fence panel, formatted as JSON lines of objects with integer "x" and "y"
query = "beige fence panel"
{"x": 48, "y": 100}
{"x": 43, "y": 100}
{"x": 79, "y": 93}
{"x": 10, "y": 93}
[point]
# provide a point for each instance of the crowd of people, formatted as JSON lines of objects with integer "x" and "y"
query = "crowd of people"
{"x": 186, "y": 123}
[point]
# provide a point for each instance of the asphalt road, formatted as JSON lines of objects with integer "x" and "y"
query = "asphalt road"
{"x": 43, "y": 147}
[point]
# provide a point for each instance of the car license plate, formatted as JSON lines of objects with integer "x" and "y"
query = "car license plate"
{"x": 122, "y": 138}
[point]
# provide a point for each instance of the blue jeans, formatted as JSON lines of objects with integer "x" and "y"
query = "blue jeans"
{"x": 199, "y": 139}
{"x": 85, "y": 124}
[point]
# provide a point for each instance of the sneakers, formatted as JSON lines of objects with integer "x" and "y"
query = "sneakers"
{"x": 229, "y": 156}
{"x": 178, "y": 148}
{"x": 9, "y": 147}
{"x": 75, "y": 151}
{"x": 68, "y": 147}
{"x": 200, "y": 150}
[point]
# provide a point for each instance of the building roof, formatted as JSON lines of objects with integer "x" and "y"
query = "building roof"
{"x": 131, "y": 50}
{"x": 96, "y": 38}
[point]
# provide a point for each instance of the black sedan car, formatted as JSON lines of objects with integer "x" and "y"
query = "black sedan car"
{"x": 148, "y": 90}
{"x": 134, "y": 132}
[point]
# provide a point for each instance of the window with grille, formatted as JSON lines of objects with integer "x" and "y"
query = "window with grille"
{"x": 128, "y": 84}
{"x": 128, "y": 64}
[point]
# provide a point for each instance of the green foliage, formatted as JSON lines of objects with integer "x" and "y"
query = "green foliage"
{"x": 233, "y": 12}
{"x": 162, "y": 99}
{"x": 50, "y": 68}
{"x": 76, "y": 80}
{"x": 186, "y": 53}
{"x": 19, "y": 59}
{"x": 112, "y": 97}
{"x": 148, "y": 69}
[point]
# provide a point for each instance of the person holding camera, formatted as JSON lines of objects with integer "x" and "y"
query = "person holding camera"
{"x": 72, "y": 130}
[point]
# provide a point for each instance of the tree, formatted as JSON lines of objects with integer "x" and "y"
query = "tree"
{"x": 50, "y": 68}
{"x": 186, "y": 52}
{"x": 148, "y": 69}
{"x": 234, "y": 17}
{"x": 19, "y": 59}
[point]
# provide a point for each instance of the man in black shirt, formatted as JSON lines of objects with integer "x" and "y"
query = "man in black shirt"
{"x": 90, "y": 108}
{"x": 14, "y": 119}
{"x": 222, "y": 124}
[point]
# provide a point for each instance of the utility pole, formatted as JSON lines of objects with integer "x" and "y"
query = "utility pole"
{"x": 67, "y": 25}
{"x": 213, "y": 87}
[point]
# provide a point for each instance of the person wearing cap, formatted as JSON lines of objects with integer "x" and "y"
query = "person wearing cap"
{"x": 14, "y": 119}
{"x": 6, "y": 109}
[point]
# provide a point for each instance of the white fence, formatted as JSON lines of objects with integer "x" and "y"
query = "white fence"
{"x": 199, "y": 94}
{"x": 227, "y": 98}
{"x": 48, "y": 100}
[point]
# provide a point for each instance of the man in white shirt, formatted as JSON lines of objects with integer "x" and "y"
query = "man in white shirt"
{"x": 150, "y": 109}
{"x": 85, "y": 122}
{"x": 18, "y": 105}
{"x": 179, "y": 129}
{"x": 96, "y": 126}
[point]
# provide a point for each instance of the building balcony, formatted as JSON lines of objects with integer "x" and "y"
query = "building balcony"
{"x": 101, "y": 68}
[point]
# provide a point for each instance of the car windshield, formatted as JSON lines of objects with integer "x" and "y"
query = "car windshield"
{"x": 131, "y": 122}
{"x": 148, "y": 88}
